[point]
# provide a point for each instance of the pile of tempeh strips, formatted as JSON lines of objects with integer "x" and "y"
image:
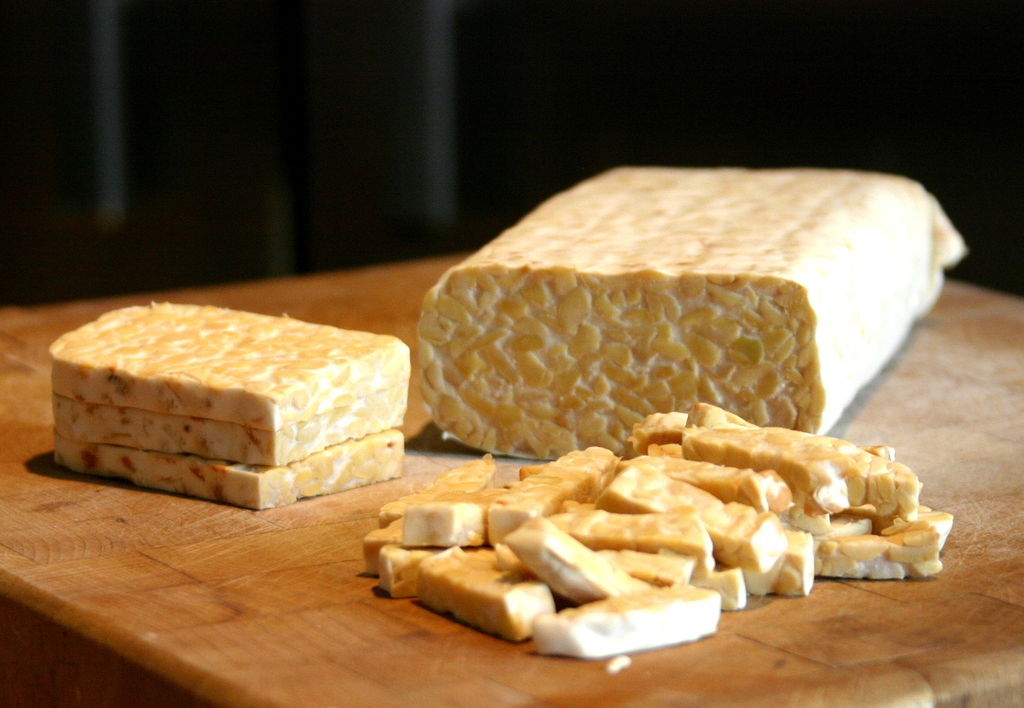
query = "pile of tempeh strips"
{"x": 595, "y": 556}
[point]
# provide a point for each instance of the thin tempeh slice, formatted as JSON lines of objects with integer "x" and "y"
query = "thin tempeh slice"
{"x": 254, "y": 370}
{"x": 224, "y": 440}
{"x": 399, "y": 568}
{"x": 347, "y": 465}
{"x": 455, "y": 519}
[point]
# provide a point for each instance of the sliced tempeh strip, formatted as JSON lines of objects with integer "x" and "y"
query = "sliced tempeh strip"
{"x": 472, "y": 476}
{"x": 470, "y": 586}
{"x": 455, "y": 519}
{"x": 578, "y": 476}
{"x": 826, "y": 475}
{"x": 727, "y": 582}
{"x": 656, "y": 618}
{"x": 571, "y": 569}
{"x": 912, "y": 552}
{"x": 375, "y": 540}
{"x": 744, "y": 537}
{"x": 681, "y": 532}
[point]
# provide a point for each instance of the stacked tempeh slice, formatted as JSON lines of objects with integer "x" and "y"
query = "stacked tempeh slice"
{"x": 248, "y": 409}
{"x": 647, "y": 551}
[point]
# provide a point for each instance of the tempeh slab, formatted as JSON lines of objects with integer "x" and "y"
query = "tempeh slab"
{"x": 374, "y": 458}
{"x": 254, "y": 370}
{"x": 223, "y": 440}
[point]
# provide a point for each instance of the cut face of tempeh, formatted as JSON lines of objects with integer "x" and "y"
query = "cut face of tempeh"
{"x": 665, "y": 430}
{"x": 645, "y": 289}
{"x": 222, "y": 440}
{"x": 351, "y": 464}
{"x": 656, "y": 618}
{"x": 239, "y": 367}
{"x": 792, "y": 573}
{"x": 743, "y": 537}
{"x": 399, "y": 568}
{"x": 658, "y": 429}
{"x": 845, "y": 524}
{"x": 705, "y": 415}
{"x": 728, "y": 583}
{"x": 374, "y": 542}
{"x": 939, "y": 521}
{"x": 470, "y": 586}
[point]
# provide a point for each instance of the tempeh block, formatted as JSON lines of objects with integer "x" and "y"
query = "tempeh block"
{"x": 776, "y": 294}
{"x": 254, "y": 370}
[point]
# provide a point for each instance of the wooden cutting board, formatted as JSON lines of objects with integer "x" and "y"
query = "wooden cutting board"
{"x": 115, "y": 595}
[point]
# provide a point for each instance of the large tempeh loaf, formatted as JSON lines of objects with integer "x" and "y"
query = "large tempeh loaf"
{"x": 776, "y": 294}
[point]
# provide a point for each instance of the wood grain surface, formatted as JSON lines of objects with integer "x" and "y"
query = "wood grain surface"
{"x": 113, "y": 595}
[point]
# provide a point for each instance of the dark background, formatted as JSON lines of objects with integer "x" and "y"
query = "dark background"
{"x": 157, "y": 143}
